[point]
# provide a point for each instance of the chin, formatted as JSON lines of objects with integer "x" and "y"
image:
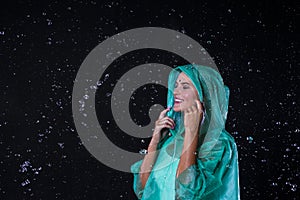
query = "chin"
{"x": 176, "y": 109}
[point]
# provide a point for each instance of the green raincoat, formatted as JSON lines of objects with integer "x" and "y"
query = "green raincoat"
{"x": 215, "y": 174}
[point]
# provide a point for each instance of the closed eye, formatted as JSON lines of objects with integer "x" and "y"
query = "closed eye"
{"x": 185, "y": 85}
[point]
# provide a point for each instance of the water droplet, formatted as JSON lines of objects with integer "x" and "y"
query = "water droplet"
{"x": 190, "y": 46}
{"x": 61, "y": 145}
{"x": 143, "y": 151}
{"x": 24, "y": 167}
{"x": 99, "y": 83}
{"x": 294, "y": 187}
{"x": 26, "y": 182}
{"x": 274, "y": 184}
{"x": 250, "y": 139}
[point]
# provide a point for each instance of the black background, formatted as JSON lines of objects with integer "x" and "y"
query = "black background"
{"x": 43, "y": 43}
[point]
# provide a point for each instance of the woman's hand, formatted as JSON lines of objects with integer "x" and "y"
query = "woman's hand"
{"x": 192, "y": 118}
{"x": 150, "y": 159}
{"x": 162, "y": 122}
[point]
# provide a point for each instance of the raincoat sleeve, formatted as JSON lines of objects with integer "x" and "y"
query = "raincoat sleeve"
{"x": 206, "y": 176}
{"x": 137, "y": 185}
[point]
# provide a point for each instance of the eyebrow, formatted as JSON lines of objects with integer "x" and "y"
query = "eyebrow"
{"x": 182, "y": 82}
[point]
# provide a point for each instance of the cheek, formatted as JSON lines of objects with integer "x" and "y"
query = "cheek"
{"x": 188, "y": 98}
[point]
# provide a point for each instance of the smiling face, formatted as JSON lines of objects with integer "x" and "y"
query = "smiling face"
{"x": 185, "y": 93}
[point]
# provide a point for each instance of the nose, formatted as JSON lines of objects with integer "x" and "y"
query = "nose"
{"x": 175, "y": 91}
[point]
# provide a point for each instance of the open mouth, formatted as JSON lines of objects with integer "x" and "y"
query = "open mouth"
{"x": 178, "y": 100}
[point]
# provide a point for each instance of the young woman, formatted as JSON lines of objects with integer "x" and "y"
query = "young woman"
{"x": 197, "y": 159}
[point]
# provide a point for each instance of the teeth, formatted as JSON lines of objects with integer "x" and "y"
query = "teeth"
{"x": 178, "y": 100}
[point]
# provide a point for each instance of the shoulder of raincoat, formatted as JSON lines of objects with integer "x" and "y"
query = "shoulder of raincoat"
{"x": 215, "y": 174}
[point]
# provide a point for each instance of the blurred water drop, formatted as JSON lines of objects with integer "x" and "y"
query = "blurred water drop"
{"x": 250, "y": 139}
{"x": 93, "y": 87}
{"x": 274, "y": 184}
{"x": 143, "y": 151}
{"x": 99, "y": 83}
{"x": 294, "y": 187}
{"x": 24, "y": 167}
{"x": 61, "y": 144}
{"x": 26, "y": 182}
